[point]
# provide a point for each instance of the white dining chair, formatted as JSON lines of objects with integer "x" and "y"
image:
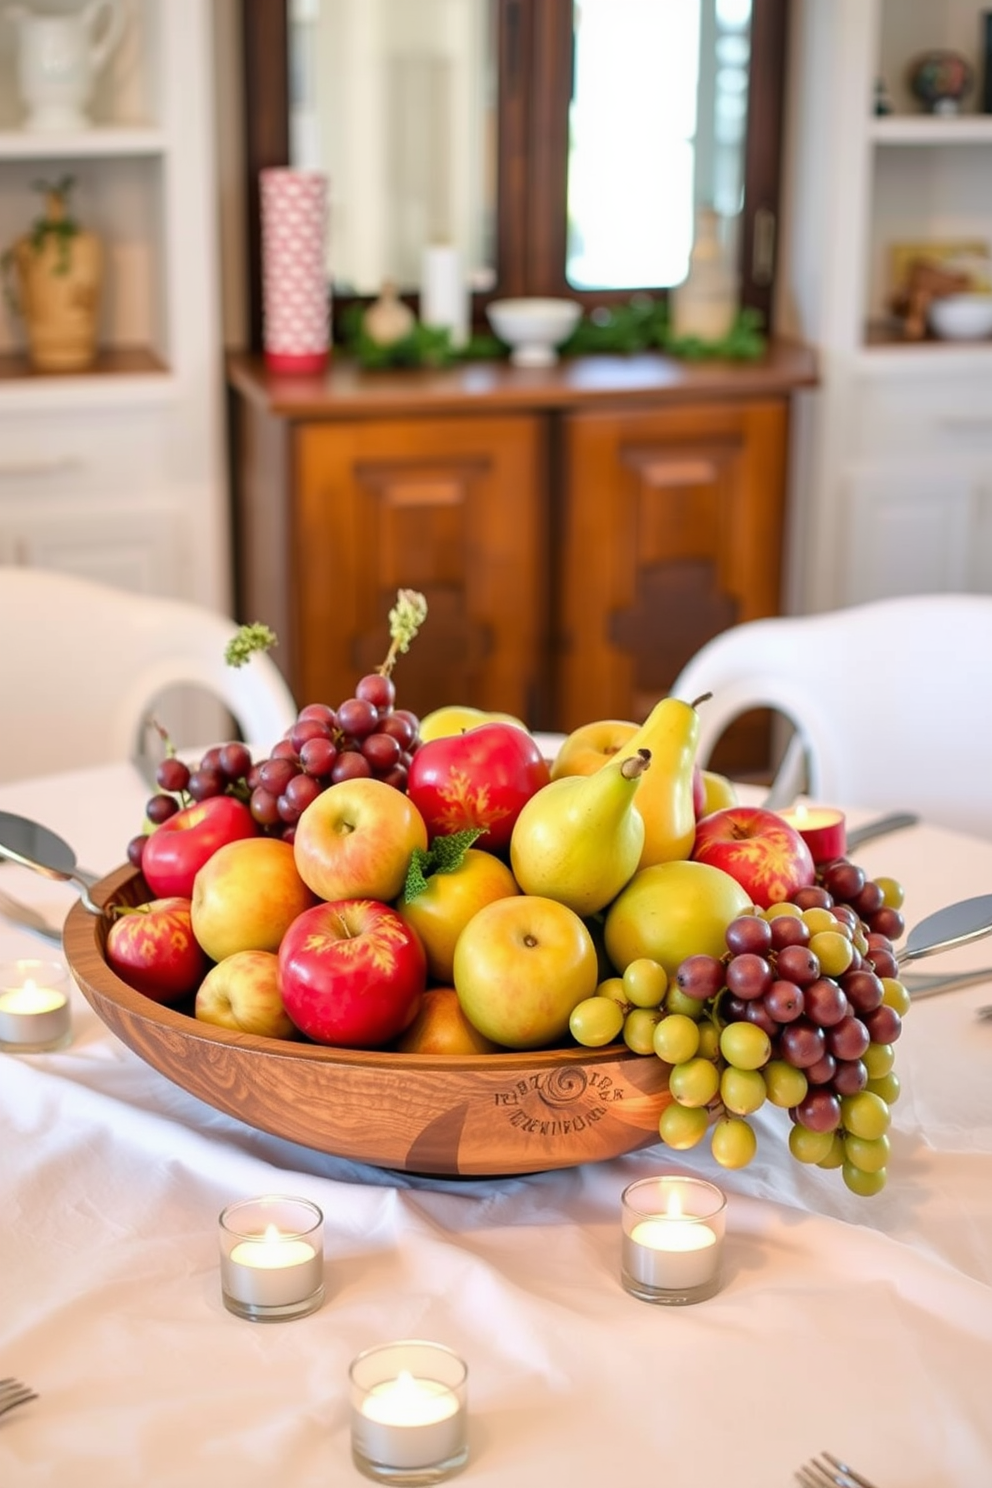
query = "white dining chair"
{"x": 84, "y": 665}
{"x": 892, "y": 700}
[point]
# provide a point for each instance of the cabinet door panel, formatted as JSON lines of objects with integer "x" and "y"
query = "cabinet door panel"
{"x": 452, "y": 507}
{"x": 672, "y": 532}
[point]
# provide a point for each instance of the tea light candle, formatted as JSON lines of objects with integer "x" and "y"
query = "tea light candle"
{"x": 822, "y": 828}
{"x": 408, "y": 1412}
{"x": 34, "y": 1007}
{"x": 272, "y": 1258}
{"x": 673, "y": 1230}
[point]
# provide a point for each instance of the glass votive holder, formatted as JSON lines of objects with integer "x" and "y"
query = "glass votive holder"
{"x": 409, "y": 1417}
{"x": 272, "y": 1258}
{"x": 673, "y": 1232}
{"x": 34, "y": 1006}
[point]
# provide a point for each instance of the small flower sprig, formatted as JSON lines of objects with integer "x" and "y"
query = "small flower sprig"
{"x": 405, "y": 619}
{"x": 248, "y": 640}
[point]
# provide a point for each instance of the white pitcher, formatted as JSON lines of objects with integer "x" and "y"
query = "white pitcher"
{"x": 59, "y": 56}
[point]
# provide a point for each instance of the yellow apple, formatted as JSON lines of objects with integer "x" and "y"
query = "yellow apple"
{"x": 440, "y": 912}
{"x": 521, "y": 965}
{"x": 718, "y": 792}
{"x": 588, "y": 748}
{"x": 670, "y": 911}
{"x": 441, "y": 1027}
{"x": 246, "y": 896}
{"x": 355, "y": 840}
{"x": 456, "y": 718}
{"x": 242, "y": 992}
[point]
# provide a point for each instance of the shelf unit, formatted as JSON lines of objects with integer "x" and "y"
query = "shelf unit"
{"x": 119, "y": 471}
{"x": 892, "y": 459}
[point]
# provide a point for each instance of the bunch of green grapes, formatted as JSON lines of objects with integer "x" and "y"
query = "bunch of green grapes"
{"x": 800, "y": 1012}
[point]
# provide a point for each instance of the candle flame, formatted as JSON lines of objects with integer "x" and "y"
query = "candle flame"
{"x": 271, "y": 1234}
{"x": 674, "y": 1210}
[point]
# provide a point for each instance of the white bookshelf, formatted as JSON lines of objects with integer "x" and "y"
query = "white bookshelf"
{"x": 892, "y": 455}
{"x": 119, "y": 470}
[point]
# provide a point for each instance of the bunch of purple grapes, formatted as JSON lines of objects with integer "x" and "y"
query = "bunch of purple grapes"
{"x": 820, "y": 977}
{"x": 365, "y": 735}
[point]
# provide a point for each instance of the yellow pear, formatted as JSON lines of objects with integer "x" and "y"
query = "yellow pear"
{"x": 579, "y": 839}
{"x": 671, "y": 734}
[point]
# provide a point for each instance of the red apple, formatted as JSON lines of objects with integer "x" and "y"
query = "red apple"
{"x": 766, "y": 856}
{"x": 152, "y": 947}
{"x": 481, "y": 778}
{"x": 352, "y": 973}
{"x": 356, "y": 839}
{"x": 177, "y": 849}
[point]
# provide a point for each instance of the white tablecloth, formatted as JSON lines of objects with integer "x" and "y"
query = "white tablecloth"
{"x": 860, "y": 1325}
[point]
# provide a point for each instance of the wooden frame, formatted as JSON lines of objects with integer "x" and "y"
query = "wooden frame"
{"x": 535, "y": 86}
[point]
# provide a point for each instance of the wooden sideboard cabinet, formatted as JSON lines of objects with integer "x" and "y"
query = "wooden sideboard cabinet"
{"x": 578, "y": 531}
{"x": 683, "y": 511}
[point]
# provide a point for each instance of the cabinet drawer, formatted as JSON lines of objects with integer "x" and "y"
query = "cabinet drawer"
{"x": 92, "y": 451}
{"x": 950, "y": 416}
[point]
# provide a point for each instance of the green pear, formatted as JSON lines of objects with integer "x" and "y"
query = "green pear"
{"x": 578, "y": 839}
{"x": 671, "y": 734}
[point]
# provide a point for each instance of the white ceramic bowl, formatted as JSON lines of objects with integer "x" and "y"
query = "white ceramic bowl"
{"x": 961, "y": 317}
{"x": 533, "y": 328}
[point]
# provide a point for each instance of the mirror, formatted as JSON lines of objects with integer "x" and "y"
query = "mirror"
{"x": 398, "y": 102}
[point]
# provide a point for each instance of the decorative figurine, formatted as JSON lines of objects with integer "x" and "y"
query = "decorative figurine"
{"x": 58, "y": 272}
{"x": 940, "y": 80}
{"x": 388, "y": 320}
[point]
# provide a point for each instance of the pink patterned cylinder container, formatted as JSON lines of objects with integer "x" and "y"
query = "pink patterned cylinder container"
{"x": 296, "y": 311}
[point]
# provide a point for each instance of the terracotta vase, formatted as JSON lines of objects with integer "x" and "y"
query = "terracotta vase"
{"x": 59, "y": 276}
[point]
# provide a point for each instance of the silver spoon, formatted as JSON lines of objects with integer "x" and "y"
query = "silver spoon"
{"x": 34, "y": 846}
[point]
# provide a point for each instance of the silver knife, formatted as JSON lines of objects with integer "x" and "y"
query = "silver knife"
{"x": 919, "y": 984}
{"x": 881, "y": 826}
{"x": 29, "y": 919}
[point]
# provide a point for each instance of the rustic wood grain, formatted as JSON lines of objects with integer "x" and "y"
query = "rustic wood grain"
{"x": 483, "y": 1115}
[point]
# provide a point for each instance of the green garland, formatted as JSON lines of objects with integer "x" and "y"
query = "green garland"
{"x": 640, "y": 325}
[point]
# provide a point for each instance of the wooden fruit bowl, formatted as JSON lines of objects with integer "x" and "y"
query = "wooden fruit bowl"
{"x": 483, "y": 1115}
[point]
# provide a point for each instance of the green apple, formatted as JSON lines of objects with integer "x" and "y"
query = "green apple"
{"x": 449, "y": 899}
{"x": 242, "y": 992}
{"x": 669, "y": 911}
{"x": 521, "y": 965}
{"x": 718, "y": 792}
{"x": 246, "y": 896}
{"x": 587, "y": 748}
{"x": 455, "y": 719}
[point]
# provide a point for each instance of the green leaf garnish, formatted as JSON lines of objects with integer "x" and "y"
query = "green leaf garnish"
{"x": 444, "y": 855}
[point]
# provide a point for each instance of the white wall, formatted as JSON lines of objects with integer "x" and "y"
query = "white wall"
{"x": 230, "y": 173}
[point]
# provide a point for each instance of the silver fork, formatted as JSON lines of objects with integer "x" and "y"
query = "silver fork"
{"x": 827, "y": 1471}
{"x": 12, "y": 1393}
